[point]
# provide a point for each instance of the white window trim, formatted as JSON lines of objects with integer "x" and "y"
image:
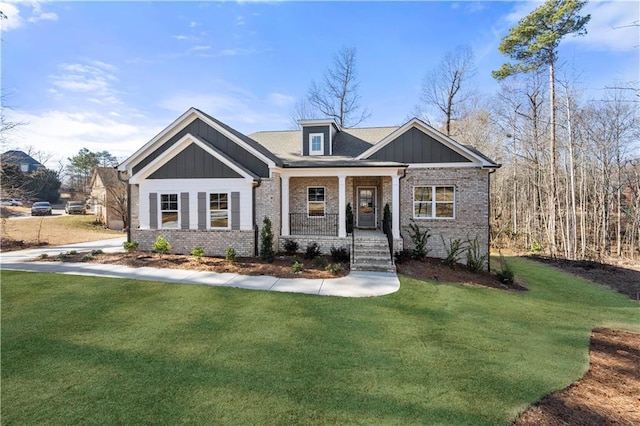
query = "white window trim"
{"x": 433, "y": 202}
{"x": 321, "y": 151}
{"x": 324, "y": 203}
{"x": 216, "y": 228}
{"x": 178, "y": 222}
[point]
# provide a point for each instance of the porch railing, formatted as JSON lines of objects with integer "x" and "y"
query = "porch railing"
{"x": 302, "y": 224}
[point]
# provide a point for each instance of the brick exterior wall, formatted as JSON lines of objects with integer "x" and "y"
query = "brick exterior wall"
{"x": 215, "y": 243}
{"x": 324, "y": 242}
{"x": 471, "y": 207}
{"x": 135, "y": 202}
{"x": 268, "y": 203}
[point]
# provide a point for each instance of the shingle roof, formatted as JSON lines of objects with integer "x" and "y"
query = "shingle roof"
{"x": 19, "y": 158}
{"x": 108, "y": 176}
{"x": 348, "y": 143}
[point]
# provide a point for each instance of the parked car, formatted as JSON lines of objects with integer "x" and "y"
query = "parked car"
{"x": 41, "y": 208}
{"x": 75, "y": 207}
{"x": 10, "y": 202}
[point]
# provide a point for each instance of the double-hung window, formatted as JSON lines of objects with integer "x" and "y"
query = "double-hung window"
{"x": 169, "y": 216}
{"x": 219, "y": 210}
{"x": 315, "y": 201}
{"x": 316, "y": 144}
{"x": 433, "y": 202}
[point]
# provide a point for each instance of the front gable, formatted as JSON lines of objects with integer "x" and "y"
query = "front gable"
{"x": 247, "y": 153}
{"x": 193, "y": 162}
{"x": 416, "y": 143}
{"x": 415, "y": 146}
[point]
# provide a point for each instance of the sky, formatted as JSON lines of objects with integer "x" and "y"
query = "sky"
{"x": 111, "y": 75}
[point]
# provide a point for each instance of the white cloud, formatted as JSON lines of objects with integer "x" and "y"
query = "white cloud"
{"x": 93, "y": 77}
{"x": 280, "y": 99}
{"x": 65, "y": 133}
{"x": 604, "y": 30}
{"x": 31, "y": 10}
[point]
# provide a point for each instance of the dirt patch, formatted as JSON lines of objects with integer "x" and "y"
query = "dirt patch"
{"x": 432, "y": 269}
{"x": 282, "y": 266}
{"x": 624, "y": 279}
{"x": 608, "y": 394}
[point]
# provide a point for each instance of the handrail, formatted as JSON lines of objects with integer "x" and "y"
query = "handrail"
{"x": 303, "y": 224}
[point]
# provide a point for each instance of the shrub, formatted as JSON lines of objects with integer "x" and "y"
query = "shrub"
{"x": 130, "y": 246}
{"x": 340, "y": 254}
{"x": 73, "y": 252}
{"x": 312, "y": 251}
{"x": 266, "y": 241}
{"x": 62, "y": 256}
{"x": 475, "y": 260}
{"x": 96, "y": 251}
{"x": 349, "y": 218}
{"x": 230, "y": 255}
{"x": 44, "y": 256}
{"x": 334, "y": 268}
{"x": 320, "y": 262}
{"x": 88, "y": 257}
{"x": 291, "y": 246}
{"x": 453, "y": 249}
{"x": 505, "y": 275}
{"x": 420, "y": 239}
{"x": 161, "y": 246}
{"x": 297, "y": 267}
{"x": 198, "y": 252}
{"x": 403, "y": 255}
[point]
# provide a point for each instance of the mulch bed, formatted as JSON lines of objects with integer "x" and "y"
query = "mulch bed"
{"x": 432, "y": 269}
{"x": 608, "y": 394}
{"x": 281, "y": 266}
{"x": 625, "y": 280}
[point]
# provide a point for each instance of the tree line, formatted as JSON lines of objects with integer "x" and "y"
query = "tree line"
{"x": 570, "y": 178}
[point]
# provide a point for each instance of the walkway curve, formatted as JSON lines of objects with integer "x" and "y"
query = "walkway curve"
{"x": 356, "y": 284}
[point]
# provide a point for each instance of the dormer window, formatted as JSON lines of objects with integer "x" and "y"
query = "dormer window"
{"x": 316, "y": 144}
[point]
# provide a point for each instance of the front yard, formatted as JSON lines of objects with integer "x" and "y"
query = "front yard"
{"x": 99, "y": 350}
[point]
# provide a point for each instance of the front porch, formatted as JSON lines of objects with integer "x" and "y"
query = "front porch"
{"x": 315, "y": 205}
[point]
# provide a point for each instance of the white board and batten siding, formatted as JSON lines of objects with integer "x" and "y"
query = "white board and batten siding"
{"x": 193, "y": 187}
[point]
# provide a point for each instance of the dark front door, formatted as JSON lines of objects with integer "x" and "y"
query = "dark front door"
{"x": 366, "y": 207}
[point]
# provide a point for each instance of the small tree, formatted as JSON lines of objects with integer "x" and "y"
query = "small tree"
{"x": 161, "y": 246}
{"x": 266, "y": 241}
{"x": 198, "y": 252}
{"x": 230, "y": 255}
{"x": 349, "y": 218}
{"x": 420, "y": 239}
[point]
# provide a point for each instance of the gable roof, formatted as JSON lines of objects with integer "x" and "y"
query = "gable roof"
{"x": 108, "y": 176}
{"x": 191, "y": 115}
{"x": 471, "y": 154}
{"x": 19, "y": 158}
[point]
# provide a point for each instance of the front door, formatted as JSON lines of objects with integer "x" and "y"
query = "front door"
{"x": 366, "y": 207}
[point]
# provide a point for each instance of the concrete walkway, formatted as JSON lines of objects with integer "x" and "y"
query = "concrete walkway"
{"x": 356, "y": 284}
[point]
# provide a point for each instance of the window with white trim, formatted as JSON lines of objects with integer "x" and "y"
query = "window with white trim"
{"x": 219, "y": 210}
{"x": 316, "y": 144}
{"x": 433, "y": 202}
{"x": 169, "y": 211}
{"x": 315, "y": 201}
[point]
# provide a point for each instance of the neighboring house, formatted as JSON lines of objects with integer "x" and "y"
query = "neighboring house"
{"x": 108, "y": 197}
{"x": 26, "y": 163}
{"x": 201, "y": 183}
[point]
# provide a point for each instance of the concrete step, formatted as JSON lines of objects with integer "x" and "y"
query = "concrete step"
{"x": 372, "y": 258}
{"x": 377, "y": 267}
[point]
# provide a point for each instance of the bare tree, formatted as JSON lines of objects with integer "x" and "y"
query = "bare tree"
{"x": 443, "y": 86}
{"x": 336, "y": 96}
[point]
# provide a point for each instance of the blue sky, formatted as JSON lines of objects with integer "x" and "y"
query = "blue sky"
{"x": 110, "y": 75}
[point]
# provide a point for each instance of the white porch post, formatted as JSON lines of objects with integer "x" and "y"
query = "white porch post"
{"x": 395, "y": 202}
{"x": 342, "y": 205}
{"x": 285, "y": 205}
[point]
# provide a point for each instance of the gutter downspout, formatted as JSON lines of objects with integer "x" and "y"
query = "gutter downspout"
{"x": 128, "y": 204}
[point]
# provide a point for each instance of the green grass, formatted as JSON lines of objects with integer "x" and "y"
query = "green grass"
{"x": 103, "y": 351}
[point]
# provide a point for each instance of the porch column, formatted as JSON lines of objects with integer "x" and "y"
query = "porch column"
{"x": 285, "y": 205}
{"x": 342, "y": 206}
{"x": 395, "y": 202}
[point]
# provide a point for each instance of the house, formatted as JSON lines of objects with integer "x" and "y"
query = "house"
{"x": 201, "y": 183}
{"x": 24, "y": 161}
{"x": 108, "y": 197}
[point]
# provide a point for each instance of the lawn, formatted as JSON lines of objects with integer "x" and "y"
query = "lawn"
{"x": 97, "y": 350}
{"x": 54, "y": 230}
